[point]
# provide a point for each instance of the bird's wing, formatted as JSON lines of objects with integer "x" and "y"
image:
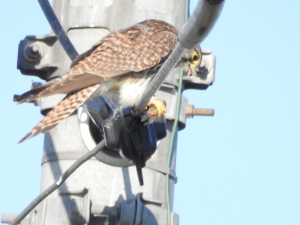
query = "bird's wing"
{"x": 65, "y": 85}
{"x": 134, "y": 49}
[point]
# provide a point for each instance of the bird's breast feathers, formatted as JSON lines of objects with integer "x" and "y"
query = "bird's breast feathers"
{"x": 127, "y": 89}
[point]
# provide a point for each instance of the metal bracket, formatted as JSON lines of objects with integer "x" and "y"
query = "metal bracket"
{"x": 33, "y": 57}
{"x": 205, "y": 75}
{"x": 132, "y": 212}
{"x": 126, "y": 136}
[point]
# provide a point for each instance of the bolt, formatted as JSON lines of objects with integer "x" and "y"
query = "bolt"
{"x": 191, "y": 112}
{"x": 34, "y": 48}
{"x": 33, "y": 53}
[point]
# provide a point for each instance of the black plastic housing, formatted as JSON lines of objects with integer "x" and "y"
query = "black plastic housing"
{"x": 122, "y": 131}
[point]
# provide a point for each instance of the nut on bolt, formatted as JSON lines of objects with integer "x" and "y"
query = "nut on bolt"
{"x": 191, "y": 111}
{"x": 33, "y": 52}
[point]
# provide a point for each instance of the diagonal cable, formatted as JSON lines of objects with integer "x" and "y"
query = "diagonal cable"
{"x": 193, "y": 32}
{"x": 56, "y": 185}
{"x": 58, "y": 29}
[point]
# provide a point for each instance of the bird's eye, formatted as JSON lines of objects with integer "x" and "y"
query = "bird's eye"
{"x": 195, "y": 57}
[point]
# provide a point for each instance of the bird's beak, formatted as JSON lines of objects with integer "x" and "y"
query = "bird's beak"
{"x": 189, "y": 72}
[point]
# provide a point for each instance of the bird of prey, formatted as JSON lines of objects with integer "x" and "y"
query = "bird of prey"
{"x": 121, "y": 64}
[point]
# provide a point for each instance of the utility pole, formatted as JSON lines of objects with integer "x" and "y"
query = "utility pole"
{"x": 106, "y": 189}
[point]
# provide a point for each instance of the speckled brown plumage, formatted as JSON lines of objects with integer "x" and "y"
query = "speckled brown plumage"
{"x": 122, "y": 63}
{"x": 134, "y": 49}
{"x": 68, "y": 105}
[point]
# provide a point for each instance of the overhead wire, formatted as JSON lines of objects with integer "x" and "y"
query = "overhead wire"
{"x": 174, "y": 130}
{"x": 58, "y": 29}
{"x": 58, "y": 183}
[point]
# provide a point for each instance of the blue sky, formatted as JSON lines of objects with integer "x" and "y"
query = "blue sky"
{"x": 240, "y": 166}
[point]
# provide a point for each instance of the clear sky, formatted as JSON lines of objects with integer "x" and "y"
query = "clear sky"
{"x": 241, "y": 166}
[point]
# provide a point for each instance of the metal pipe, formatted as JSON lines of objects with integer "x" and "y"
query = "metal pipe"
{"x": 58, "y": 29}
{"x": 193, "y": 32}
{"x": 56, "y": 185}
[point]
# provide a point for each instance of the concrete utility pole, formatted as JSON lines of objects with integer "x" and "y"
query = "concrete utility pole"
{"x": 106, "y": 189}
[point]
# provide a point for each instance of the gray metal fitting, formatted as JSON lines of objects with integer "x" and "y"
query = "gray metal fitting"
{"x": 34, "y": 56}
{"x": 205, "y": 74}
{"x": 33, "y": 52}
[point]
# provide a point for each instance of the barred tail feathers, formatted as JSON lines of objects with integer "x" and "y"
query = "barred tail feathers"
{"x": 67, "y": 106}
{"x": 33, "y": 94}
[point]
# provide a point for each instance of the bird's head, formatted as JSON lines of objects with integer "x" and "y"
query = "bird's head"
{"x": 191, "y": 61}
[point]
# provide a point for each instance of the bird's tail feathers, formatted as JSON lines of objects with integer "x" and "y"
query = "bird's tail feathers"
{"x": 67, "y": 106}
{"x": 33, "y": 93}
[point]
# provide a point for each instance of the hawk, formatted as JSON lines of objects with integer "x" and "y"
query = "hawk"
{"x": 121, "y": 65}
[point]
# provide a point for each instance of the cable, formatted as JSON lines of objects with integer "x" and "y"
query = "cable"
{"x": 194, "y": 31}
{"x": 58, "y": 30}
{"x": 56, "y": 185}
{"x": 200, "y": 23}
{"x": 175, "y": 124}
{"x": 161, "y": 75}
{"x": 174, "y": 128}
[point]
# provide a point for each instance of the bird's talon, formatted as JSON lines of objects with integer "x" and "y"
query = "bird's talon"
{"x": 156, "y": 108}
